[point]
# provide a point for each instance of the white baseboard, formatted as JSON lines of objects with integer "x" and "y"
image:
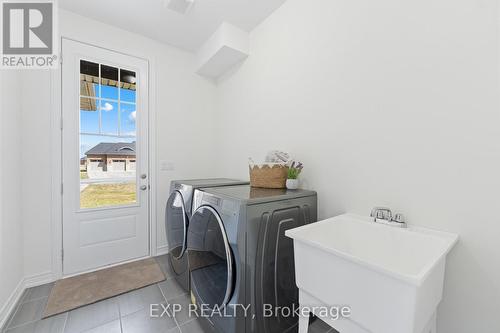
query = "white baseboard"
{"x": 11, "y": 304}
{"x": 25, "y": 283}
{"x": 161, "y": 250}
{"x": 38, "y": 279}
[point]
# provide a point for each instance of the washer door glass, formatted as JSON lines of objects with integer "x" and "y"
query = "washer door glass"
{"x": 176, "y": 225}
{"x": 210, "y": 258}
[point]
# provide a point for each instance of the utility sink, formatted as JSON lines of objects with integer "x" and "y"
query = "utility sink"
{"x": 391, "y": 278}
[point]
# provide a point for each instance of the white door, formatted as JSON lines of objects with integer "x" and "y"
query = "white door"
{"x": 105, "y": 114}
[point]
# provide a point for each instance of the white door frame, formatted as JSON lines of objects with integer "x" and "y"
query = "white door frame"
{"x": 56, "y": 157}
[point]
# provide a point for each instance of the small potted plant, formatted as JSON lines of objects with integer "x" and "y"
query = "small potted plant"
{"x": 292, "y": 183}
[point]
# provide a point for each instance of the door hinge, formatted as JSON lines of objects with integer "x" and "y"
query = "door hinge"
{"x": 62, "y": 255}
{"x": 62, "y": 123}
{"x": 62, "y": 188}
{"x": 60, "y": 58}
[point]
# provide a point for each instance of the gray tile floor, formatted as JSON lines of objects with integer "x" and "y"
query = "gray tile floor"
{"x": 124, "y": 313}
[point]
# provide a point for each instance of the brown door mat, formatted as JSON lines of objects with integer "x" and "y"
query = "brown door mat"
{"x": 74, "y": 292}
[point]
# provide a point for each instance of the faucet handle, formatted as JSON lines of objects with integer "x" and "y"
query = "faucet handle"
{"x": 399, "y": 218}
{"x": 382, "y": 213}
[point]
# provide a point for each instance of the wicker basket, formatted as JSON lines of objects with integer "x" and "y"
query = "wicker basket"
{"x": 268, "y": 175}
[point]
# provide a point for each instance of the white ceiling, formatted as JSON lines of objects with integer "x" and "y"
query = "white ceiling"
{"x": 151, "y": 18}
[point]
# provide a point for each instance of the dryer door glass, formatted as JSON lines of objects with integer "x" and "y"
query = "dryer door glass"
{"x": 210, "y": 258}
{"x": 176, "y": 224}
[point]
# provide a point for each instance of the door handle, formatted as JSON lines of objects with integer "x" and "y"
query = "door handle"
{"x": 144, "y": 176}
{"x": 143, "y": 187}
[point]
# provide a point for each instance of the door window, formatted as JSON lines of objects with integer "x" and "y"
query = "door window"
{"x": 108, "y": 135}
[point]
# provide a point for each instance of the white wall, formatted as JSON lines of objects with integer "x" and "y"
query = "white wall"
{"x": 181, "y": 102}
{"x": 387, "y": 103}
{"x": 35, "y": 168}
{"x": 11, "y": 241}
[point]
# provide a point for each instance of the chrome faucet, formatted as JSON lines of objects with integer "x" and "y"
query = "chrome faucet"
{"x": 384, "y": 215}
